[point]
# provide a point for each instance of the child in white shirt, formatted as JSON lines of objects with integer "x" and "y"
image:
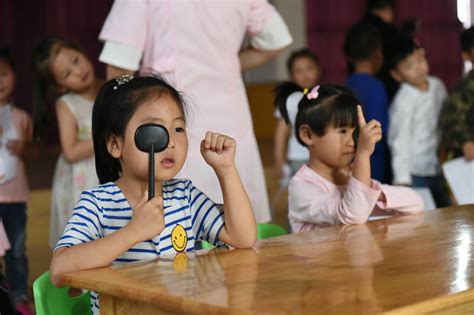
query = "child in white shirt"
{"x": 413, "y": 133}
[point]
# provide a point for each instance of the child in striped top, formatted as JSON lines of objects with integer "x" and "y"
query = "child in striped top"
{"x": 115, "y": 222}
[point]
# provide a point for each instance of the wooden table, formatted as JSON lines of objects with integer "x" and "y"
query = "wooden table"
{"x": 421, "y": 264}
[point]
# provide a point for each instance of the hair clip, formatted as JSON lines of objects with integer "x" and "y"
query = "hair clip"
{"x": 313, "y": 94}
{"x": 305, "y": 91}
{"x": 124, "y": 78}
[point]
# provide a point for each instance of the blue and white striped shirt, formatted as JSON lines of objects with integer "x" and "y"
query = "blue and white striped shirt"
{"x": 104, "y": 209}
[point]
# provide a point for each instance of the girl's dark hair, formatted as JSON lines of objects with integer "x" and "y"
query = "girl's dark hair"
{"x": 43, "y": 54}
{"x": 301, "y": 53}
{"x": 114, "y": 107}
{"x": 6, "y": 57}
{"x": 335, "y": 106}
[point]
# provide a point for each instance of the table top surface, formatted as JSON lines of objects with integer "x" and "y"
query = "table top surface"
{"x": 380, "y": 266}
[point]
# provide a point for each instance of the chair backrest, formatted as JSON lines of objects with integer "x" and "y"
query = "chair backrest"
{"x": 264, "y": 230}
{"x": 52, "y": 300}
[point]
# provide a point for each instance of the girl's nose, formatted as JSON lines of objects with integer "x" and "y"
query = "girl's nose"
{"x": 171, "y": 143}
{"x": 350, "y": 141}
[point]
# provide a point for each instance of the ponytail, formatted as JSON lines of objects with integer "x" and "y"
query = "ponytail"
{"x": 282, "y": 92}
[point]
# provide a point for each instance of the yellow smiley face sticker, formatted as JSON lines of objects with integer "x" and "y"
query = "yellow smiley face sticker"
{"x": 179, "y": 238}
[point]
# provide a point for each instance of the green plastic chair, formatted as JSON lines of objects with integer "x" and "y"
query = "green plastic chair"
{"x": 51, "y": 300}
{"x": 267, "y": 230}
{"x": 264, "y": 230}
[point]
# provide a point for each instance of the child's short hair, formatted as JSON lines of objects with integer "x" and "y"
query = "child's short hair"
{"x": 400, "y": 49}
{"x": 301, "y": 53}
{"x": 467, "y": 39}
{"x": 334, "y": 106}
{"x": 114, "y": 106}
{"x": 362, "y": 41}
{"x": 6, "y": 57}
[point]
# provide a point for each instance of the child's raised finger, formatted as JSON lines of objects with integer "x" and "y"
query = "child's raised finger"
{"x": 360, "y": 117}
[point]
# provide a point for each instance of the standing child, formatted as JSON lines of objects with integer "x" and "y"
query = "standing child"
{"x": 413, "y": 133}
{"x": 305, "y": 71}
{"x": 16, "y": 131}
{"x": 326, "y": 191}
{"x": 457, "y": 115}
{"x": 115, "y": 222}
{"x": 61, "y": 64}
{"x": 363, "y": 48}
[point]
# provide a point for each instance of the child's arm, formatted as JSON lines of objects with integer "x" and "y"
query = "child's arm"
{"x": 240, "y": 229}
{"x": 282, "y": 132}
{"x": 147, "y": 222}
{"x": 74, "y": 150}
{"x": 309, "y": 201}
{"x": 251, "y": 58}
{"x": 400, "y": 199}
{"x": 113, "y": 71}
{"x": 17, "y": 146}
{"x": 369, "y": 134}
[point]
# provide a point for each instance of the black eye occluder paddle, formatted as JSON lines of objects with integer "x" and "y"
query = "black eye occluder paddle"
{"x": 151, "y": 138}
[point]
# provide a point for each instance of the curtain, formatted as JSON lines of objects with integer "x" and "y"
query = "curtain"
{"x": 328, "y": 21}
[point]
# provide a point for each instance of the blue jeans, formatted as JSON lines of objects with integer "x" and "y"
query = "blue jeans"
{"x": 13, "y": 216}
{"x": 436, "y": 186}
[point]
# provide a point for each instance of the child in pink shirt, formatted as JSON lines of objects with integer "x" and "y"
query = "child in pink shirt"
{"x": 15, "y": 133}
{"x": 335, "y": 186}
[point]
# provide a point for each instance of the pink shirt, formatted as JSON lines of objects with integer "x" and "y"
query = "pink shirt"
{"x": 17, "y": 189}
{"x": 315, "y": 201}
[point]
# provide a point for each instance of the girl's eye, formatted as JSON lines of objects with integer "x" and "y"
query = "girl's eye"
{"x": 76, "y": 59}
{"x": 343, "y": 131}
{"x": 179, "y": 129}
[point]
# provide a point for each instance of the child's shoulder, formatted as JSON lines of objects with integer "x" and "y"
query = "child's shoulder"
{"x": 306, "y": 176}
{"x": 177, "y": 186}
{"x": 19, "y": 112}
{"x": 293, "y": 100}
{"x": 435, "y": 81}
{"x": 108, "y": 192}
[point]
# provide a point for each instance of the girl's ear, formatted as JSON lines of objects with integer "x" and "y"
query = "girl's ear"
{"x": 306, "y": 135}
{"x": 114, "y": 146}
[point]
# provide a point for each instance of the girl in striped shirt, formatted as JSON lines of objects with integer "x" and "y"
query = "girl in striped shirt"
{"x": 115, "y": 222}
